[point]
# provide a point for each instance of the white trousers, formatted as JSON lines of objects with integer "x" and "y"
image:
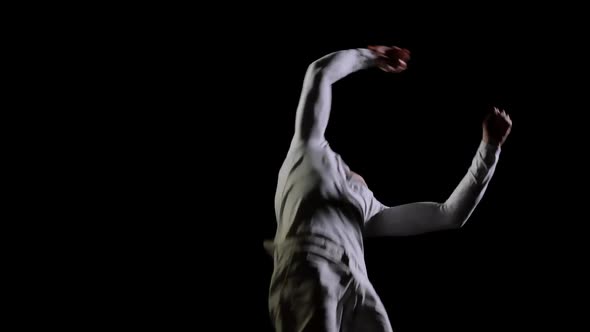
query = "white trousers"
{"x": 317, "y": 287}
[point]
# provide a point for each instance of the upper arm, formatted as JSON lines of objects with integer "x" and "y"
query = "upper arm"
{"x": 409, "y": 219}
{"x": 313, "y": 110}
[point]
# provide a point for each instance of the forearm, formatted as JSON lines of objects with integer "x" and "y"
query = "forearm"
{"x": 462, "y": 202}
{"x": 337, "y": 65}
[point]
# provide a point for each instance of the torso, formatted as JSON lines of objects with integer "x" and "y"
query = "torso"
{"x": 317, "y": 194}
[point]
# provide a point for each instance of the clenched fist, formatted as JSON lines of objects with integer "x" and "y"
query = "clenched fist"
{"x": 496, "y": 127}
{"x": 391, "y": 59}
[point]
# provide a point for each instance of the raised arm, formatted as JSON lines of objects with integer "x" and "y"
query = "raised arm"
{"x": 313, "y": 111}
{"x": 423, "y": 217}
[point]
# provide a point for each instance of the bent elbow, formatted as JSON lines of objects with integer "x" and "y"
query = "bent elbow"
{"x": 451, "y": 219}
{"x": 461, "y": 223}
{"x": 455, "y": 224}
{"x": 315, "y": 72}
{"x": 316, "y": 66}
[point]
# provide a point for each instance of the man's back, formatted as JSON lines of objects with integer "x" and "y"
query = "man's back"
{"x": 316, "y": 195}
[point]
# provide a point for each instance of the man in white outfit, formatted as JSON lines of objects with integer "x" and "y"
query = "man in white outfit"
{"x": 324, "y": 210}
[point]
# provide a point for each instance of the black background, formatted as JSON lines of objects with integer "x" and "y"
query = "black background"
{"x": 206, "y": 113}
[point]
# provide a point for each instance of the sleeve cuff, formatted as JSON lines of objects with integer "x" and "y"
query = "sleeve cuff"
{"x": 368, "y": 56}
{"x": 489, "y": 152}
{"x": 489, "y": 147}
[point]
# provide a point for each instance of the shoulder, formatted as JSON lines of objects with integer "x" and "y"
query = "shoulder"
{"x": 310, "y": 148}
{"x": 316, "y": 155}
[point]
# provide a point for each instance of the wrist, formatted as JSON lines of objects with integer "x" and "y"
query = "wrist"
{"x": 488, "y": 153}
{"x": 490, "y": 147}
{"x": 491, "y": 141}
{"x": 368, "y": 57}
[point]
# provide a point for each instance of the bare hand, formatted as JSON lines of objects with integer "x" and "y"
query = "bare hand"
{"x": 496, "y": 127}
{"x": 391, "y": 59}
